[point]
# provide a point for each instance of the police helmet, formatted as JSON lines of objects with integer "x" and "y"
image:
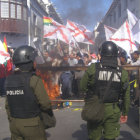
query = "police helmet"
{"x": 109, "y": 48}
{"x": 24, "y": 54}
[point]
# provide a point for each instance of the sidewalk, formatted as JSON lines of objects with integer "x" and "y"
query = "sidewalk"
{"x": 70, "y": 126}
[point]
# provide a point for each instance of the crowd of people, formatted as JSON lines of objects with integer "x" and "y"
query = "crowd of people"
{"x": 69, "y": 80}
{"x": 26, "y": 95}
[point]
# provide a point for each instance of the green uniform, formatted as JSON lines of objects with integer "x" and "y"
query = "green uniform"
{"x": 30, "y": 128}
{"x": 109, "y": 127}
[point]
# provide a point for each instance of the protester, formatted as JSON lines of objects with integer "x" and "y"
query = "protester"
{"x": 5, "y": 70}
{"x": 72, "y": 60}
{"x": 123, "y": 58}
{"x": 108, "y": 83}
{"x": 65, "y": 80}
{"x": 134, "y": 77}
{"x": 136, "y": 58}
{"x": 26, "y": 98}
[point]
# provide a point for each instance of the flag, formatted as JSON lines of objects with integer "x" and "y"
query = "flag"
{"x": 4, "y": 56}
{"x": 5, "y": 61}
{"x": 123, "y": 38}
{"x": 55, "y": 30}
{"x": 5, "y": 44}
{"x": 109, "y": 31}
{"x": 136, "y": 31}
{"x": 50, "y": 31}
{"x": 132, "y": 19}
{"x": 80, "y": 33}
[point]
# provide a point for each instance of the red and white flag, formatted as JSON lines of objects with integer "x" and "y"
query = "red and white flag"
{"x": 55, "y": 30}
{"x": 80, "y": 33}
{"x": 132, "y": 19}
{"x": 124, "y": 39}
{"x": 109, "y": 31}
{"x": 136, "y": 31}
{"x": 4, "y": 55}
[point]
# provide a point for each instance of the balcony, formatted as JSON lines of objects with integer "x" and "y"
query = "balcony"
{"x": 16, "y": 26}
{"x": 13, "y": 16}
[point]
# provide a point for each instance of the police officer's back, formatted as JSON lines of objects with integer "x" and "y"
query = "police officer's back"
{"x": 26, "y": 97}
{"x": 109, "y": 82}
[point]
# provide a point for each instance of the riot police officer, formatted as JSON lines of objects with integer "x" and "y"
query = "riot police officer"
{"x": 26, "y": 97}
{"x": 96, "y": 80}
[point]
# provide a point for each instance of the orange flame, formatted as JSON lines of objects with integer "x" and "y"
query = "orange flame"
{"x": 53, "y": 90}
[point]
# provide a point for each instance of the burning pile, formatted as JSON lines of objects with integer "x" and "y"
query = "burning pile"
{"x": 52, "y": 89}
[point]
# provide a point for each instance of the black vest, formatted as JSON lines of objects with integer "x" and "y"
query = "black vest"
{"x": 21, "y": 98}
{"x": 103, "y": 76}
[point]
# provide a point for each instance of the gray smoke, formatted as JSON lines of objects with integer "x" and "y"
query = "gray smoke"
{"x": 85, "y": 12}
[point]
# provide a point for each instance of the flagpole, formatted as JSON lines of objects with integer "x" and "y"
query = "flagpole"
{"x": 88, "y": 47}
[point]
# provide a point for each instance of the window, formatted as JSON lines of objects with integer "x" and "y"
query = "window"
{"x": 13, "y": 11}
{"x": 24, "y": 13}
{"x": 119, "y": 10}
{"x": 4, "y": 9}
{"x": 34, "y": 20}
{"x": 18, "y": 11}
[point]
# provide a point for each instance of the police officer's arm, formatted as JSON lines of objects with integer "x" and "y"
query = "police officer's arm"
{"x": 88, "y": 78}
{"x": 40, "y": 92}
{"x": 126, "y": 93}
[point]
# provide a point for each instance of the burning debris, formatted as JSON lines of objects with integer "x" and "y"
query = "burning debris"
{"x": 52, "y": 88}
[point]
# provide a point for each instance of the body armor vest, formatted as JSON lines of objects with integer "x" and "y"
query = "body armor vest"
{"x": 21, "y": 99}
{"x": 103, "y": 77}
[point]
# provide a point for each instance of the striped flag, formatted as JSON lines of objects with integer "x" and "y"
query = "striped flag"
{"x": 5, "y": 44}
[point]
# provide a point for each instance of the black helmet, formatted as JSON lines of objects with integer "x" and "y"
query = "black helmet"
{"x": 109, "y": 48}
{"x": 24, "y": 54}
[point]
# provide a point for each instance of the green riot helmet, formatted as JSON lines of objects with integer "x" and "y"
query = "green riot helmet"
{"x": 24, "y": 55}
{"x": 109, "y": 48}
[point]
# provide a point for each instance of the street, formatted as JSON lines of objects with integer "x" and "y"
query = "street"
{"x": 70, "y": 126}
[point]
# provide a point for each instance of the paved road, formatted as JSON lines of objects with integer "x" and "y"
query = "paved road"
{"x": 70, "y": 126}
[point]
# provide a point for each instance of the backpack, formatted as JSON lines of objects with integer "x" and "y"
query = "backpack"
{"x": 93, "y": 109}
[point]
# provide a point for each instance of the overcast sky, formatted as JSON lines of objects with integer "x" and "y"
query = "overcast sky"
{"x": 85, "y": 12}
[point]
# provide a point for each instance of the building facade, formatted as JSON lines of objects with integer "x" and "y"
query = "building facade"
{"x": 116, "y": 16}
{"x": 21, "y": 21}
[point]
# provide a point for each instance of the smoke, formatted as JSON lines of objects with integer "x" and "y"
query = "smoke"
{"x": 85, "y": 12}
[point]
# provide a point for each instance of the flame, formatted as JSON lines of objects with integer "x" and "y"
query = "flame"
{"x": 52, "y": 89}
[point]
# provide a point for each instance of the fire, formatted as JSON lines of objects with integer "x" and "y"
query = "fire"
{"x": 52, "y": 89}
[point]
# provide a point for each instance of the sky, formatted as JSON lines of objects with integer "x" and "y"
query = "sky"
{"x": 83, "y": 12}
